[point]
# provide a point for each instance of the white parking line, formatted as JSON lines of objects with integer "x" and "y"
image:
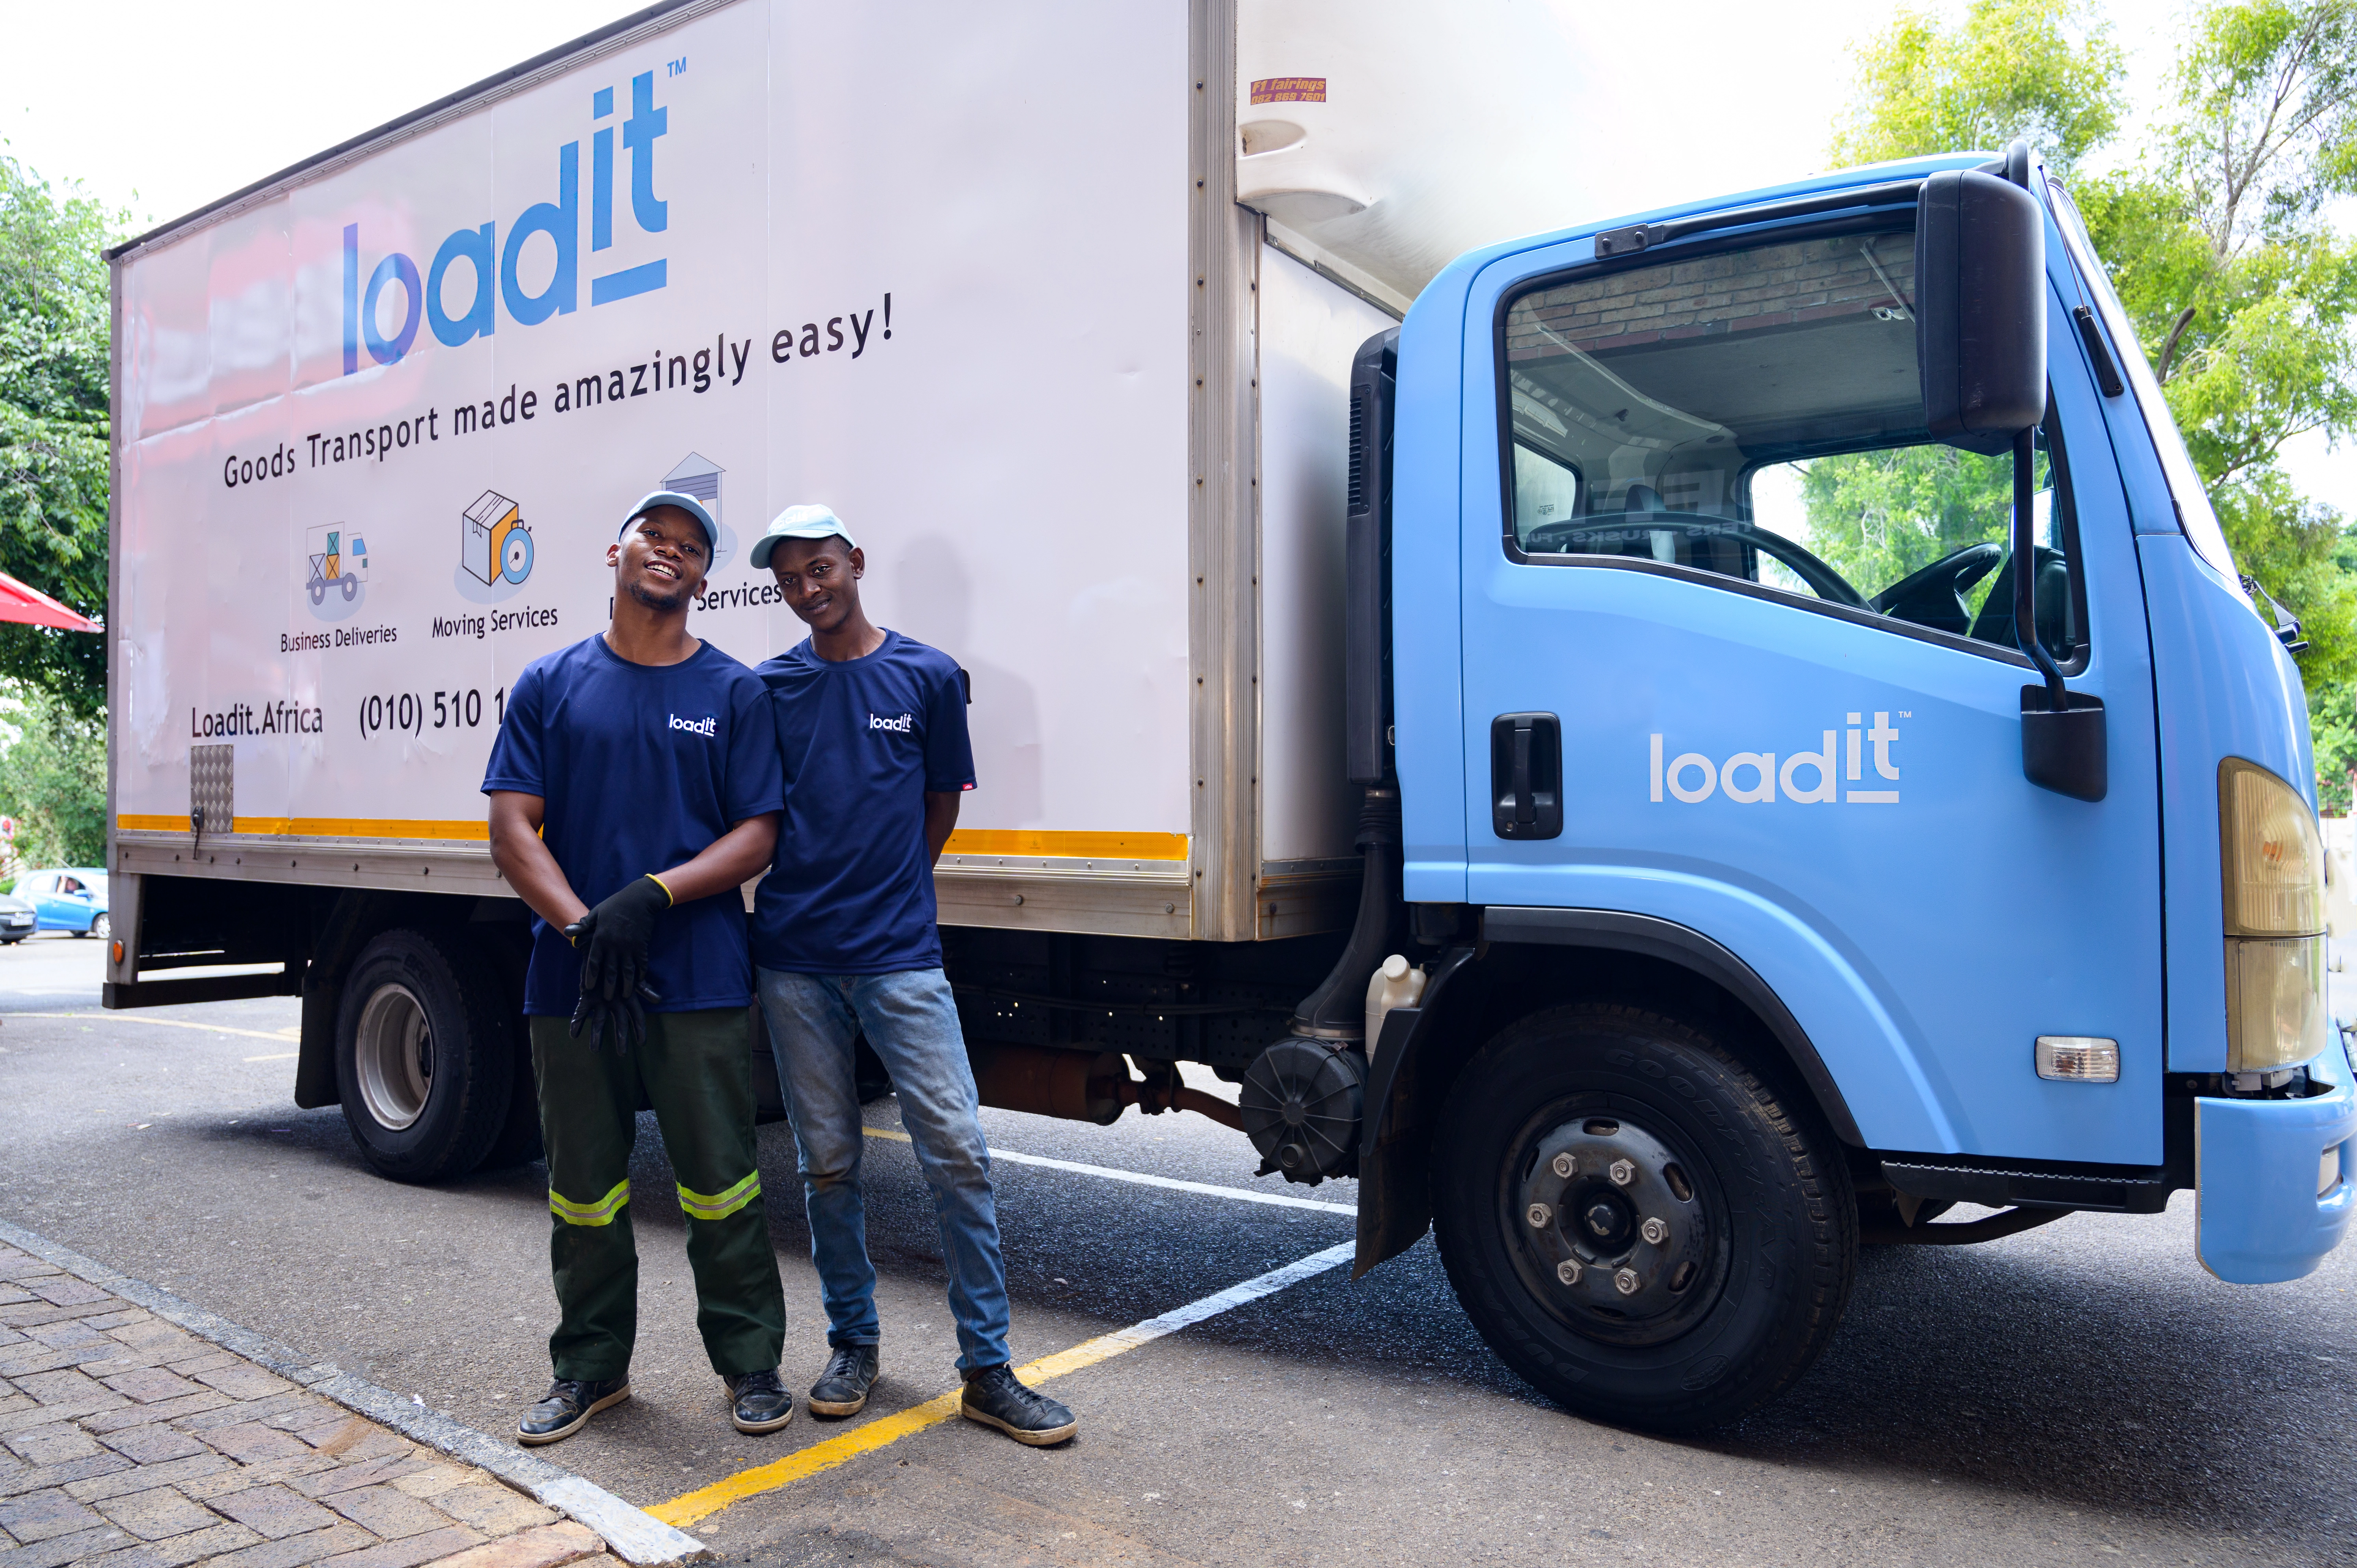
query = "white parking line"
{"x": 179, "y": 1024}
{"x": 1242, "y": 1195}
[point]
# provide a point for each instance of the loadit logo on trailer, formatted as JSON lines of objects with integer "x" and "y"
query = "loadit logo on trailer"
{"x": 494, "y": 264}
{"x": 1807, "y": 778}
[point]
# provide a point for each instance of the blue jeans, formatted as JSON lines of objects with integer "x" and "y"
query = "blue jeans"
{"x": 910, "y": 1021}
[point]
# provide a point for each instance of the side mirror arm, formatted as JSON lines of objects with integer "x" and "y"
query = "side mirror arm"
{"x": 2064, "y": 745}
{"x": 2025, "y": 570}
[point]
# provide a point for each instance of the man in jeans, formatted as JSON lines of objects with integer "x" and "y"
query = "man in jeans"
{"x": 871, "y": 727}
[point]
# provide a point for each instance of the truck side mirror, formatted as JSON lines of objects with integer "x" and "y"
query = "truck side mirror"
{"x": 1980, "y": 309}
{"x": 1980, "y": 345}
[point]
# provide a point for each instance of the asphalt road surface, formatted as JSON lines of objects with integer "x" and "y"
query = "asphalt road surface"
{"x": 2081, "y": 1393}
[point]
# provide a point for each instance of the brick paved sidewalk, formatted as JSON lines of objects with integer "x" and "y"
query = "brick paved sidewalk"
{"x": 133, "y": 1443}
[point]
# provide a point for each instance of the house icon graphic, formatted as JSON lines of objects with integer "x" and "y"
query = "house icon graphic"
{"x": 697, "y": 476}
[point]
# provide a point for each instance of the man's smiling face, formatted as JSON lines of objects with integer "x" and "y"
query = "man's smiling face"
{"x": 820, "y": 579}
{"x": 660, "y": 561}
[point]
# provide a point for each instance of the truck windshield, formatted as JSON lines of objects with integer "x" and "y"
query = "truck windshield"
{"x": 1757, "y": 414}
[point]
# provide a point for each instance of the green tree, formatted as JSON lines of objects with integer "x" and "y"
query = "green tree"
{"x": 2045, "y": 70}
{"x": 2244, "y": 298}
{"x": 53, "y": 781}
{"x": 53, "y": 428}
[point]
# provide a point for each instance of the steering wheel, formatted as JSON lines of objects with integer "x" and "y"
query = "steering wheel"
{"x": 1934, "y": 596}
{"x": 1827, "y": 583}
{"x": 1821, "y": 579}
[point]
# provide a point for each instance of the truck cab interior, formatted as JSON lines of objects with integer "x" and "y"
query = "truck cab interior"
{"x": 1756, "y": 414}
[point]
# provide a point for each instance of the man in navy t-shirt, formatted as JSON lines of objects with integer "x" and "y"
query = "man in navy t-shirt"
{"x": 871, "y": 726}
{"x": 634, "y": 787}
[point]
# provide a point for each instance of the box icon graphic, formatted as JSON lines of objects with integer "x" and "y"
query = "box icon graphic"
{"x": 494, "y": 544}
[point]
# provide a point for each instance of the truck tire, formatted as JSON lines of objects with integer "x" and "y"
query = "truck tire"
{"x": 1635, "y": 1223}
{"x": 425, "y": 1061}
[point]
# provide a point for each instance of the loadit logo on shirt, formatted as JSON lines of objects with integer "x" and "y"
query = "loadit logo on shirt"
{"x": 696, "y": 726}
{"x": 905, "y": 724}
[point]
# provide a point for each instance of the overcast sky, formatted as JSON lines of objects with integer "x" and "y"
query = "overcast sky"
{"x": 160, "y": 108}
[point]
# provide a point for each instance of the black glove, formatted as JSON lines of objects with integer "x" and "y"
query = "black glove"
{"x": 627, "y": 1017}
{"x": 613, "y": 938}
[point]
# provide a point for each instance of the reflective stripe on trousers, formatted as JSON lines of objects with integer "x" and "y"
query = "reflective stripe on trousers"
{"x": 719, "y": 1205}
{"x": 601, "y": 1212}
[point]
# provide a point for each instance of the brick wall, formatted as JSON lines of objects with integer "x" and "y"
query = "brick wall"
{"x": 1772, "y": 286}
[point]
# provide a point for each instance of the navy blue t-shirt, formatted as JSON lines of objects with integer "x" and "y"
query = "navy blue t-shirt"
{"x": 641, "y": 766}
{"x": 864, "y": 740}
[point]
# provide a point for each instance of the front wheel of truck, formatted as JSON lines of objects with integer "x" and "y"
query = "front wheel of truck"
{"x": 424, "y": 1061}
{"x": 1636, "y": 1223}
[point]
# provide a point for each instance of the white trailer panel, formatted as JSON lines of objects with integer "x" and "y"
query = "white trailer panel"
{"x": 924, "y": 295}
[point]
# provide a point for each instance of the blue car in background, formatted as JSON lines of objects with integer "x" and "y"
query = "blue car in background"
{"x": 70, "y": 899}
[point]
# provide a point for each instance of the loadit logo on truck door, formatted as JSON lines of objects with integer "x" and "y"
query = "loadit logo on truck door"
{"x": 1823, "y": 777}
{"x": 494, "y": 262}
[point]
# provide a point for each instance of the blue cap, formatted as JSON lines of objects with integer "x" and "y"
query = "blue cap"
{"x": 685, "y": 503}
{"x": 800, "y": 522}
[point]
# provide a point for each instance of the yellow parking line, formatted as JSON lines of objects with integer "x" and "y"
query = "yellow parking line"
{"x": 705, "y": 1501}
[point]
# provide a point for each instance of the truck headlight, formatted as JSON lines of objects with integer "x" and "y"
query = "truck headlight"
{"x": 2274, "y": 861}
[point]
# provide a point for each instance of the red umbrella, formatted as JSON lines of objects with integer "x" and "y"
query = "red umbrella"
{"x": 29, "y": 604}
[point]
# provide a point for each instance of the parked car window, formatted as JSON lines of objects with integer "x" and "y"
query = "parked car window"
{"x": 1756, "y": 414}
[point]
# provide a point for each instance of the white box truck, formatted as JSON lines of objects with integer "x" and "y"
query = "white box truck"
{"x": 1298, "y": 640}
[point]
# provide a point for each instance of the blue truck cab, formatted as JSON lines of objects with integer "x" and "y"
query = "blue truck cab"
{"x": 1795, "y": 866}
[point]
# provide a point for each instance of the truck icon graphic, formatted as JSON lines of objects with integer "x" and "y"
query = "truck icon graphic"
{"x": 338, "y": 561}
{"x": 494, "y": 544}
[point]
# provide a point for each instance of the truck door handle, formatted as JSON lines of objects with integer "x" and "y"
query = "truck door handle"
{"x": 1526, "y": 776}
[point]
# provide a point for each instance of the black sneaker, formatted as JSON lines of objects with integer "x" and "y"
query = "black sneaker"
{"x": 758, "y": 1401}
{"x": 571, "y": 1401}
{"x": 842, "y": 1389}
{"x": 993, "y": 1398}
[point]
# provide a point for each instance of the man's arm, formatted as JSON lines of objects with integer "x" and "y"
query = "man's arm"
{"x": 731, "y": 860}
{"x": 728, "y": 862}
{"x": 523, "y": 859}
{"x": 941, "y": 816}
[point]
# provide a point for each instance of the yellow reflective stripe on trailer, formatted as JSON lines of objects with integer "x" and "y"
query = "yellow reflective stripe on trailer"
{"x": 601, "y": 1212}
{"x": 721, "y": 1204}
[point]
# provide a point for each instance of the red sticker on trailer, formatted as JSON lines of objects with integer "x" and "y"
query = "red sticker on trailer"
{"x": 1289, "y": 89}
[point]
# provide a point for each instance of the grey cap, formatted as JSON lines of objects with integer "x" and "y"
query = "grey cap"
{"x": 800, "y": 522}
{"x": 685, "y": 503}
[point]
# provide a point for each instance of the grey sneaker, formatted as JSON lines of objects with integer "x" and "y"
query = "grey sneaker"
{"x": 758, "y": 1401}
{"x": 995, "y": 1398}
{"x": 570, "y": 1404}
{"x": 842, "y": 1389}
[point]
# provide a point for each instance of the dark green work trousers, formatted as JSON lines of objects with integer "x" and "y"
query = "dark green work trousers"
{"x": 696, "y": 1069}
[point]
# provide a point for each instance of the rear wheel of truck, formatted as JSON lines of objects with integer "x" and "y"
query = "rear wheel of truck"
{"x": 425, "y": 1061}
{"x": 1635, "y": 1223}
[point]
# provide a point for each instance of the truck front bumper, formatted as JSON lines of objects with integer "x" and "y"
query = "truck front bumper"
{"x": 2259, "y": 1166}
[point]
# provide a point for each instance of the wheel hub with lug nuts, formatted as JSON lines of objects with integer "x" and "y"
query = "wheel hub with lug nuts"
{"x": 1610, "y": 1219}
